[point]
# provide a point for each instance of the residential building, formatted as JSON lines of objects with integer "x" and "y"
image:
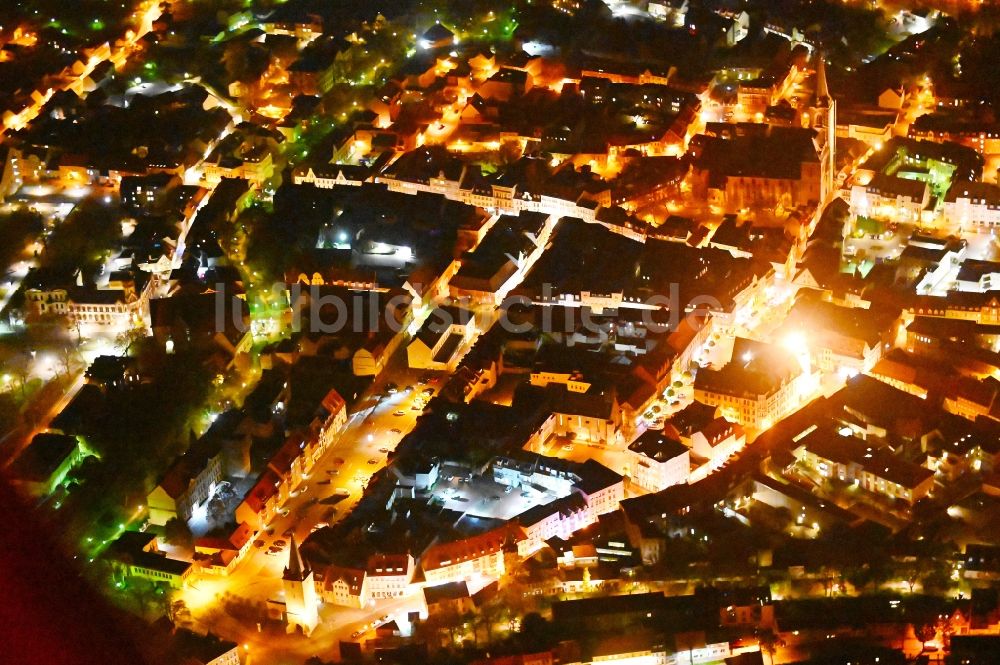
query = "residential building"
{"x": 481, "y": 557}
{"x": 659, "y": 461}
{"x": 437, "y": 343}
{"x": 890, "y": 197}
{"x": 388, "y": 575}
{"x": 344, "y": 587}
{"x": 716, "y": 442}
{"x": 188, "y": 483}
{"x": 452, "y": 596}
{"x": 760, "y": 384}
{"x": 853, "y": 460}
{"x": 971, "y": 205}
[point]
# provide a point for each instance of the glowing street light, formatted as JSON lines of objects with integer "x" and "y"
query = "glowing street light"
{"x": 797, "y": 344}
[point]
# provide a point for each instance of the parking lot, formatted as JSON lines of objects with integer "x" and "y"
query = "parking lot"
{"x": 482, "y": 496}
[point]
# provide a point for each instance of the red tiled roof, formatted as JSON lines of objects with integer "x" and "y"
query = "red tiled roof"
{"x": 446, "y": 554}
{"x": 264, "y": 489}
{"x": 387, "y": 564}
{"x": 352, "y": 576}
{"x": 281, "y": 463}
{"x": 721, "y": 429}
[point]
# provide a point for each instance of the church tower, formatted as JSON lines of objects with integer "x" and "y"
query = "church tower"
{"x": 301, "y": 604}
{"x": 825, "y": 121}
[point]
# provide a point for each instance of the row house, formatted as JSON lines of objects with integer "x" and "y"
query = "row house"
{"x": 970, "y": 205}
{"x": 484, "y": 557}
{"x": 292, "y": 463}
{"x": 343, "y": 587}
{"x": 388, "y": 575}
{"x": 890, "y": 197}
{"x": 849, "y": 459}
{"x": 657, "y": 461}
{"x": 219, "y": 555}
{"x": 558, "y": 519}
{"x": 263, "y": 501}
{"x": 188, "y": 484}
{"x": 331, "y": 419}
{"x": 383, "y": 576}
{"x": 759, "y": 386}
{"x": 586, "y": 490}
{"x": 717, "y": 442}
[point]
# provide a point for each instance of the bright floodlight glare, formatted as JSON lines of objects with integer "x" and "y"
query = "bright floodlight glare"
{"x": 796, "y": 343}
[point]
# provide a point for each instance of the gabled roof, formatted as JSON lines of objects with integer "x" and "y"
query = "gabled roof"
{"x": 445, "y": 592}
{"x": 658, "y": 446}
{"x": 469, "y": 549}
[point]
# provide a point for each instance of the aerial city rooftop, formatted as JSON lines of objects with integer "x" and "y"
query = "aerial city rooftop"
{"x": 527, "y": 333}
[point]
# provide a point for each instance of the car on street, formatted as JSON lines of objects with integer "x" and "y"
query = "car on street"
{"x": 391, "y": 388}
{"x": 384, "y": 451}
{"x": 399, "y": 413}
{"x": 287, "y": 534}
{"x": 338, "y": 460}
{"x": 396, "y": 430}
{"x": 373, "y": 461}
{"x": 258, "y": 543}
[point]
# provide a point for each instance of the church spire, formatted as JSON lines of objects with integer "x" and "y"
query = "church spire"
{"x": 822, "y": 89}
{"x": 297, "y": 569}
